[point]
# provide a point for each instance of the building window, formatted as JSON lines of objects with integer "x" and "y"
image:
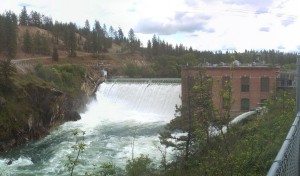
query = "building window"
{"x": 245, "y": 84}
{"x": 225, "y": 87}
{"x": 264, "y": 84}
{"x": 225, "y": 80}
{"x": 245, "y": 104}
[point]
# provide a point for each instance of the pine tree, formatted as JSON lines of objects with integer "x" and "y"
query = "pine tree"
{"x": 7, "y": 69}
{"x": 72, "y": 42}
{"x": 37, "y": 43}
{"x": 55, "y": 55}
{"x": 24, "y": 18}
{"x": 10, "y": 34}
{"x": 132, "y": 40}
{"x": 27, "y": 42}
{"x": 193, "y": 118}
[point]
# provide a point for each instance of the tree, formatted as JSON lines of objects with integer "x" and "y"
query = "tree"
{"x": 24, "y": 18}
{"x": 55, "y": 55}
{"x": 37, "y": 43}
{"x": 192, "y": 119}
{"x": 10, "y": 39}
{"x": 132, "y": 40}
{"x": 71, "y": 40}
{"x": 139, "y": 166}
{"x": 35, "y": 19}
{"x": 27, "y": 42}
{"x": 7, "y": 69}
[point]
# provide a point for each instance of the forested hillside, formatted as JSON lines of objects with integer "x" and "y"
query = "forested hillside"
{"x": 33, "y": 34}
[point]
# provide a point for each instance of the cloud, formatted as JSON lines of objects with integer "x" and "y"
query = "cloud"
{"x": 280, "y": 47}
{"x": 22, "y": 4}
{"x": 254, "y": 3}
{"x": 228, "y": 48}
{"x": 180, "y": 22}
{"x": 262, "y": 10}
{"x": 264, "y": 29}
{"x": 191, "y": 3}
{"x": 298, "y": 47}
{"x": 288, "y": 21}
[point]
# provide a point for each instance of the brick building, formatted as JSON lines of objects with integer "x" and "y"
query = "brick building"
{"x": 251, "y": 84}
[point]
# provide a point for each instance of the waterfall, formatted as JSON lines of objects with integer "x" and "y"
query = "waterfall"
{"x": 119, "y": 112}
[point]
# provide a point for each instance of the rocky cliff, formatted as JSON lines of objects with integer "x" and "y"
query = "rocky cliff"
{"x": 40, "y": 109}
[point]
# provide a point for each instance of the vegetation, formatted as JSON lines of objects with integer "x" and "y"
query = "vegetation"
{"x": 246, "y": 149}
{"x": 65, "y": 77}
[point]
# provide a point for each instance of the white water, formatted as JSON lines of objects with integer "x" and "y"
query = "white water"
{"x": 121, "y": 111}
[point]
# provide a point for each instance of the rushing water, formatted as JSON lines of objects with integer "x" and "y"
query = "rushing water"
{"x": 121, "y": 111}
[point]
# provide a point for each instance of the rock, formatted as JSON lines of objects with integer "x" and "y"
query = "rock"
{"x": 73, "y": 116}
{"x": 56, "y": 92}
{"x": 9, "y": 162}
{"x": 2, "y": 101}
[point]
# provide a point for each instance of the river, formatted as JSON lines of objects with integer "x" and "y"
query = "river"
{"x": 121, "y": 113}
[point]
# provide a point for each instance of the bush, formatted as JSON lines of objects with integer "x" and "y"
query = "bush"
{"x": 141, "y": 166}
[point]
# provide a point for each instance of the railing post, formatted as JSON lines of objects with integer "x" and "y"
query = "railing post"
{"x": 298, "y": 83}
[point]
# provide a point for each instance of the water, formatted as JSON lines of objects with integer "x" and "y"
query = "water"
{"x": 121, "y": 111}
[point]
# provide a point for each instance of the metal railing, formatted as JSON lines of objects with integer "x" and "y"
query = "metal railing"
{"x": 287, "y": 159}
{"x": 145, "y": 80}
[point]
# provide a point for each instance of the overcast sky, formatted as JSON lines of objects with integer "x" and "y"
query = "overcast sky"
{"x": 202, "y": 24}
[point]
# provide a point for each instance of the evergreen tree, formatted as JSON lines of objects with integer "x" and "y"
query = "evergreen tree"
{"x": 132, "y": 40}
{"x": 55, "y": 55}
{"x": 72, "y": 42}
{"x": 7, "y": 69}
{"x": 193, "y": 118}
{"x": 24, "y": 18}
{"x": 35, "y": 19}
{"x": 27, "y": 42}
{"x": 149, "y": 48}
{"x": 10, "y": 39}
{"x": 2, "y": 33}
{"x": 37, "y": 43}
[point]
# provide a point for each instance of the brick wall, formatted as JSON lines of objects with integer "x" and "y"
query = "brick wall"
{"x": 255, "y": 95}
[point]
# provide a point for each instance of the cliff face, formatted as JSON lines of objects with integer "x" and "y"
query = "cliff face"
{"x": 43, "y": 109}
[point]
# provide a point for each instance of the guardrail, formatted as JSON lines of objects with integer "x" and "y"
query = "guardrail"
{"x": 145, "y": 80}
{"x": 287, "y": 159}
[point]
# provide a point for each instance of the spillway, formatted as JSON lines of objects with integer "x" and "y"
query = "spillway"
{"x": 122, "y": 112}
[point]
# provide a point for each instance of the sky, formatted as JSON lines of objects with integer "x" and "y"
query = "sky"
{"x": 214, "y": 25}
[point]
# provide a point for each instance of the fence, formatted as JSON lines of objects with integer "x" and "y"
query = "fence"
{"x": 287, "y": 159}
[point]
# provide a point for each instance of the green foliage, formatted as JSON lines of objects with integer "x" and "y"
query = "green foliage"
{"x": 78, "y": 148}
{"x": 27, "y": 42}
{"x": 7, "y": 70}
{"x": 140, "y": 166}
{"x": 24, "y": 18}
{"x": 67, "y": 77}
{"x": 192, "y": 120}
{"x": 55, "y": 55}
{"x": 248, "y": 148}
{"x": 8, "y": 34}
{"x": 105, "y": 169}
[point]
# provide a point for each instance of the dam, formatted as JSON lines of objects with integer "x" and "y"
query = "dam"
{"x": 122, "y": 112}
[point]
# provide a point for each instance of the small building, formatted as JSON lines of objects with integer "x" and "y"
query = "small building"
{"x": 251, "y": 85}
{"x": 103, "y": 73}
{"x": 286, "y": 79}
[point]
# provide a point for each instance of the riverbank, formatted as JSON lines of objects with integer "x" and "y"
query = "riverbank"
{"x": 32, "y": 105}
